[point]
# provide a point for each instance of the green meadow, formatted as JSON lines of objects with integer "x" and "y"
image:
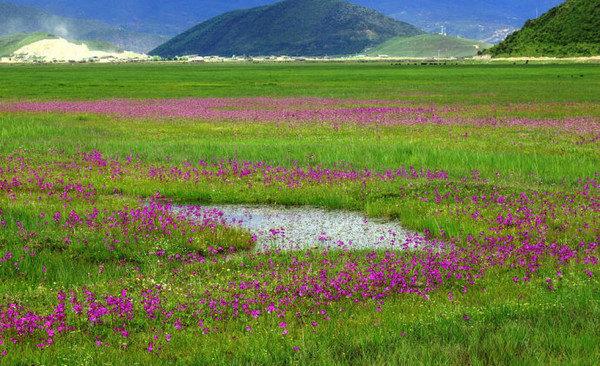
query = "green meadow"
{"x": 496, "y": 321}
{"x": 452, "y": 83}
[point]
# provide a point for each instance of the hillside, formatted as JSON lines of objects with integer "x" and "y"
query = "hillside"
{"x": 56, "y": 49}
{"x": 571, "y": 29}
{"x": 23, "y": 19}
{"x": 428, "y": 45}
{"x": 291, "y": 27}
{"x": 476, "y": 19}
{"x": 13, "y": 42}
{"x": 10, "y": 44}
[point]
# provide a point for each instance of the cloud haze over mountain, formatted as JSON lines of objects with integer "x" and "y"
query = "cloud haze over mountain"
{"x": 25, "y": 19}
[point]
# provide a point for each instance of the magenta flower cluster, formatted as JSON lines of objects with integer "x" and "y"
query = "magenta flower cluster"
{"x": 334, "y": 112}
{"x": 303, "y": 290}
{"x": 529, "y": 236}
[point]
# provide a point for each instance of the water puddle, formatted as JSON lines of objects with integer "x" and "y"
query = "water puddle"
{"x": 304, "y": 227}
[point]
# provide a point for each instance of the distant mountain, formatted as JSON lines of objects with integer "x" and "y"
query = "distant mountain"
{"x": 428, "y": 45}
{"x": 168, "y": 17}
{"x": 23, "y": 19}
{"x": 571, "y": 29}
{"x": 291, "y": 27}
{"x": 488, "y": 20}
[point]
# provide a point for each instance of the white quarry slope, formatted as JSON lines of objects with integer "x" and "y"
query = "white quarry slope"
{"x": 61, "y": 50}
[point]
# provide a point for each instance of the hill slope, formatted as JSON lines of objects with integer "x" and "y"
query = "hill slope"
{"x": 291, "y": 27}
{"x": 476, "y": 19}
{"x": 10, "y": 44}
{"x": 571, "y": 29}
{"x": 428, "y": 45}
{"x": 23, "y": 19}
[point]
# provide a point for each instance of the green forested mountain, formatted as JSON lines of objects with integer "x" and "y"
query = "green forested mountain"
{"x": 291, "y": 27}
{"x": 571, "y": 29}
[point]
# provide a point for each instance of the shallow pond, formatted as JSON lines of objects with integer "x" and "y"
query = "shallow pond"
{"x": 304, "y": 227}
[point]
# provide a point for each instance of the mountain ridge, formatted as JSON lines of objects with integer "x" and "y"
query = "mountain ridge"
{"x": 290, "y": 27}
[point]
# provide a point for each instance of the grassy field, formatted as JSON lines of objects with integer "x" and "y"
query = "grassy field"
{"x": 495, "y": 166}
{"x": 462, "y": 84}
